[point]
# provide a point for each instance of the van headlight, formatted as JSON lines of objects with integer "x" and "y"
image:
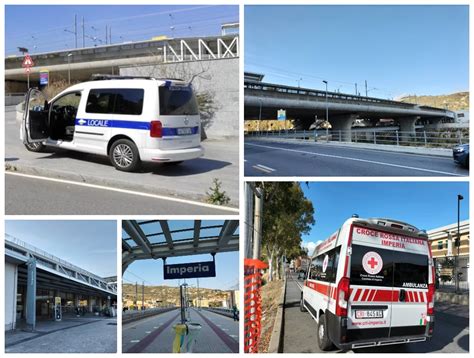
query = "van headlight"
{"x": 459, "y": 149}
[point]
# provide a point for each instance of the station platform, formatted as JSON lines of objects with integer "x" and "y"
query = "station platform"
{"x": 219, "y": 334}
{"x": 71, "y": 335}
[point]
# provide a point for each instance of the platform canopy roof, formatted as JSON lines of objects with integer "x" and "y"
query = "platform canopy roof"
{"x": 155, "y": 239}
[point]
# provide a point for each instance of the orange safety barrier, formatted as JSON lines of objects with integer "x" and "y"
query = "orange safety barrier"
{"x": 252, "y": 303}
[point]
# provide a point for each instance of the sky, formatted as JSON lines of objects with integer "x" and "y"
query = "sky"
{"x": 426, "y": 205}
{"x": 89, "y": 244}
{"x": 151, "y": 271}
{"x": 399, "y": 50}
{"x": 44, "y": 26}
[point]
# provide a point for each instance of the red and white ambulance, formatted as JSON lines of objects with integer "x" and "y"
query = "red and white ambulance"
{"x": 371, "y": 283}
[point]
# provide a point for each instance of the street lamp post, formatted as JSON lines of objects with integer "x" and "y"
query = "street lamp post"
{"x": 69, "y": 55}
{"x": 458, "y": 243}
{"x": 259, "y": 117}
{"x": 327, "y": 111}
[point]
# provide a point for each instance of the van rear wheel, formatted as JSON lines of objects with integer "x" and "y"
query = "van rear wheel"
{"x": 35, "y": 147}
{"x": 124, "y": 155}
{"x": 324, "y": 342}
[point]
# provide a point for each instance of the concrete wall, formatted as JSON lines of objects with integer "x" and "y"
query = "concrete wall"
{"x": 11, "y": 281}
{"x": 218, "y": 79}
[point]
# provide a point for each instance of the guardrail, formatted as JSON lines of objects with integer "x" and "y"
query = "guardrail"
{"x": 135, "y": 315}
{"x": 444, "y": 139}
{"x": 222, "y": 311}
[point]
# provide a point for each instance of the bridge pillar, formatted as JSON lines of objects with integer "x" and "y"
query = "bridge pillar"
{"x": 91, "y": 302}
{"x": 341, "y": 126}
{"x": 31, "y": 295}
{"x": 407, "y": 127}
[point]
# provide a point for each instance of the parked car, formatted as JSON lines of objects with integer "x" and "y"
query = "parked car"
{"x": 461, "y": 155}
{"x": 129, "y": 119}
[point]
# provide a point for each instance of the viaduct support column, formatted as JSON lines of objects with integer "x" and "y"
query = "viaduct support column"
{"x": 31, "y": 295}
{"x": 342, "y": 127}
{"x": 407, "y": 127}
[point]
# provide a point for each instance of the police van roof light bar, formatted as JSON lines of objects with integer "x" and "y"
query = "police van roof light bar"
{"x": 103, "y": 77}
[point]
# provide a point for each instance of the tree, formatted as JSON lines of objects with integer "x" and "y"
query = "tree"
{"x": 287, "y": 215}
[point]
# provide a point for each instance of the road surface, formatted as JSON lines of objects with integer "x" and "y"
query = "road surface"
{"x": 300, "y": 331}
{"x": 31, "y": 195}
{"x": 281, "y": 159}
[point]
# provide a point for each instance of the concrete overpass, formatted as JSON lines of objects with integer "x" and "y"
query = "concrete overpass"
{"x": 34, "y": 278}
{"x": 81, "y": 63}
{"x": 263, "y": 100}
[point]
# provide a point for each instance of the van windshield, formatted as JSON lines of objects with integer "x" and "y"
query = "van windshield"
{"x": 177, "y": 101}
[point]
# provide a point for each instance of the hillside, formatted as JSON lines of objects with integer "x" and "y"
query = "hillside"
{"x": 170, "y": 295}
{"x": 454, "y": 102}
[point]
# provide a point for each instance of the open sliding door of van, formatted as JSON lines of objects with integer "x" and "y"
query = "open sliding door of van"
{"x": 35, "y": 117}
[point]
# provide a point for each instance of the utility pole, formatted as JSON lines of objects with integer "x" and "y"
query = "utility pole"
{"x": 458, "y": 243}
{"x": 143, "y": 296}
{"x": 110, "y": 35}
{"x": 106, "y": 35}
{"x": 199, "y": 295}
{"x": 366, "y": 93}
{"x": 75, "y": 30}
{"x": 136, "y": 294}
{"x": 83, "y": 34}
{"x": 356, "y": 88}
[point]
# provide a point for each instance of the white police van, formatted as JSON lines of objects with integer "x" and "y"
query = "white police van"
{"x": 371, "y": 283}
{"x": 130, "y": 119}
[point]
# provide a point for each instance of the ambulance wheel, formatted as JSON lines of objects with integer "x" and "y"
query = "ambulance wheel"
{"x": 302, "y": 307}
{"x": 124, "y": 155}
{"x": 324, "y": 342}
{"x": 35, "y": 147}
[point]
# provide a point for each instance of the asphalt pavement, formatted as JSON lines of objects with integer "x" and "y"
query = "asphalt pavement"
{"x": 287, "y": 159}
{"x": 219, "y": 334}
{"x": 189, "y": 180}
{"x": 300, "y": 330}
{"x": 25, "y": 195}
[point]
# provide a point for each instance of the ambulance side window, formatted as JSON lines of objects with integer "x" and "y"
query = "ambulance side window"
{"x": 328, "y": 273}
{"x": 331, "y": 270}
{"x": 316, "y": 268}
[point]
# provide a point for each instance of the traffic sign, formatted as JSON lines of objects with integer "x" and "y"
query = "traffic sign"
{"x": 281, "y": 115}
{"x": 44, "y": 77}
{"x": 27, "y": 61}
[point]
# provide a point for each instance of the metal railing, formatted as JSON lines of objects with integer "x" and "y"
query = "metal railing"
{"x": 442, "y": 139}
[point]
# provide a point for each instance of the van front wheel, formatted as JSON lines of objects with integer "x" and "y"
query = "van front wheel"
{"x": 324, "y": 342}
{"x": 124, "y": 155}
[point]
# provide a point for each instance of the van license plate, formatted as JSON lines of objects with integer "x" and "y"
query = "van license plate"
{"x": 362, "y": 314}
{"x": 184, "y": 131}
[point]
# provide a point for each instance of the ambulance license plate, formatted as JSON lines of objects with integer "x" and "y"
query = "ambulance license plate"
{"x": 363, "y": 314}
{"x": 184, "y": 131}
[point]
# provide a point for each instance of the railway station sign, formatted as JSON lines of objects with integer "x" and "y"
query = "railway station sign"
{"x": 189, "y": 270}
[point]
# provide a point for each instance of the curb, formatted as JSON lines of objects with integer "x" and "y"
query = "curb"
{"x": 275, "y": 340}
{"x": 118, "y": 184}
{"x": 434, "y": 152}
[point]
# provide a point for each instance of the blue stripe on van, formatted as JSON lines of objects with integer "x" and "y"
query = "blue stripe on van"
{"x": 111, "y": 123}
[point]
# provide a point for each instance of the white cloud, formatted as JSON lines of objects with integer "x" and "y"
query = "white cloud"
{"x": 310, "y": 246}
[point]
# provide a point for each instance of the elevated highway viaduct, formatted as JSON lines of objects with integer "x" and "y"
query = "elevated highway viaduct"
{"x": 263, "y": 100}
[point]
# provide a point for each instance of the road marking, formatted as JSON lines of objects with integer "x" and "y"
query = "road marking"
{"x": 233, "y": 335}
{"x": 263, "y": 168}
{"x": 356, "y": 159}
{"x": 135, "y": 341}
{"x": 147, "y": 332}
{"x": 124, "y": 191}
